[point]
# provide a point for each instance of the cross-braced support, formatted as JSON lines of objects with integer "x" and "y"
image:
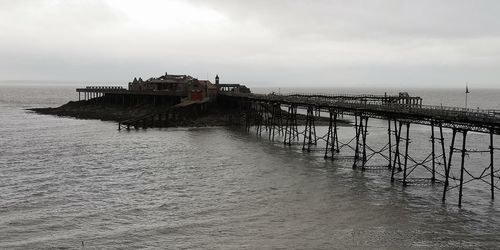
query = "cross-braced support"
{"x": 357, "y": 129}
{"x": 409, "y": 164}
{"x": 269, "y": 115}
{"x": 397, "y": 158}
{"x": 309, "y": 131}
{"x": 275, "y": 120}
{"x": 361, "y": 133}
{"x": 431, "y": 158}
{"x": 448, "y": 166}
{"x": 279, "y": 119}
{"x": 466, "y": 175}
{"x": 332, "y": 142}
{"x": 291, "y": 127}
{"x": 259, "y": 118}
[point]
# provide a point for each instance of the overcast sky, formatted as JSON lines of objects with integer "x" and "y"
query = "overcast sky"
{"x": 380, "y": 43}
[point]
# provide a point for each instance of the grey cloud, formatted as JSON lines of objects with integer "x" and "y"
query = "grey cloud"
{"x": 448, "y": 18}
{"x": 360, "y": 43}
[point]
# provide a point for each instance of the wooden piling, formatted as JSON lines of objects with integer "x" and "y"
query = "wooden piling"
{"x": 447, "y": 168}
{"x": 462, "y": 168}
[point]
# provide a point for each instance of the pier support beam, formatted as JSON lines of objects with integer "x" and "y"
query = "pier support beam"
{"x": 314, "y": 126}
{"x": 462, "y": 168}
{"x": 492, "y": 169}
{"x": 433, "y": 154}
{"x": 272, "y": 122}
{"x": 291, "y": 129}
{"x": 364, "y": 134}
{"x": 361, "y": 133}
{"x": 258, "y": 118}
{"x": 276, "y": 121}
{"x": 443, "y": 148}
{"x": 332, "y": 143}
{"x": 335, "y": 134}
{"x": 287, "y": 140}
{"x": 406, "y": 152}
{"x": 279, "y": 119}
{"x": 397, "y": 158}
{"x": 390, "y": 142}
{"x": 329, "y": 136}
{"x": 309, "y": 130}
{"x": 448, "y": 166}
{"x": 249, "y": 114}
{"x": 356, "y": 149}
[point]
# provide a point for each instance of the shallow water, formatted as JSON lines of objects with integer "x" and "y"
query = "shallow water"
{"x": 65, "y": 181}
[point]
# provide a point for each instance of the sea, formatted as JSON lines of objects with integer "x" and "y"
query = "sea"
{"x": 67, "y": 183}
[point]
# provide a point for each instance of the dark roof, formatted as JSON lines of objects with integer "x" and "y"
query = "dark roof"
{"x": 207, "y": 83}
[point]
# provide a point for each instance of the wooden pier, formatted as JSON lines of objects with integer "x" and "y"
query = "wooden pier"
{"x": 292, "y": 118}
{"x": 278, "y": 116}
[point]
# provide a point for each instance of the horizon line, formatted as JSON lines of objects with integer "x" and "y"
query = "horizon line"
{"x": 250, "y": 84}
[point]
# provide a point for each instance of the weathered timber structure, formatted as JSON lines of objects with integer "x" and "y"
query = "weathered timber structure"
{"x": 179, "y": 96}
{"x": 292, "y": 119}
{"x": 163, "y": 90}
{"x": 278, "y": 116}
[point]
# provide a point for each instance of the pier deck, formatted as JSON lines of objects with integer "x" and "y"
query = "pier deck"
{"x": 98, "y": 91}
{"x": 480, "y": 120}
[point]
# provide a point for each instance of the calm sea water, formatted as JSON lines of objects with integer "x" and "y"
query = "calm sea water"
{"x": 66, "y": 181}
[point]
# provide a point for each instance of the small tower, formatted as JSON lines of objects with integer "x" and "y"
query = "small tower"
{"x": 217, "y": 83}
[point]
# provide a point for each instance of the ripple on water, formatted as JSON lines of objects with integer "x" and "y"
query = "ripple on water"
{"x": 65, "y": 181}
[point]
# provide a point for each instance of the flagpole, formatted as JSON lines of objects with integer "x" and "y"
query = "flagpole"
{"x": 466, "y": 93}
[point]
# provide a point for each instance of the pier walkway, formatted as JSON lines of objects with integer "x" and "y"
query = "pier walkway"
{"x": 480, "y": 120}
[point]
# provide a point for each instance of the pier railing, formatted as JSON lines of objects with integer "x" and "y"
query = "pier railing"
{"x": 349, "y": 96}
{"x": 104, "y": 87}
